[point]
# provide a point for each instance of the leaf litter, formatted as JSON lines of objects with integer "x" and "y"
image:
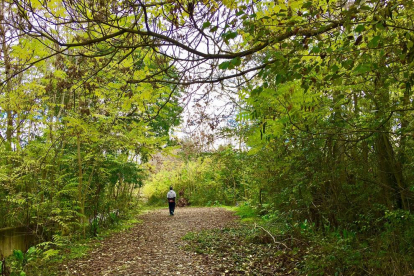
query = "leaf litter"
{"x": 196, "y": 241}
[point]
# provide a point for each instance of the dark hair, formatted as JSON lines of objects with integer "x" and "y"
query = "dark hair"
{"x": 170, "y": 187}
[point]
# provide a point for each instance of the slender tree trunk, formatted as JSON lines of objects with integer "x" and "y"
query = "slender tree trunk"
{"x": 80, "y": 185}
{"x": 8, "y": 73}
{"x": 402, "y": 158}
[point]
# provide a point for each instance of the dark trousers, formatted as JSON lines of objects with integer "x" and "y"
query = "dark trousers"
{"x": 172, "y": 207}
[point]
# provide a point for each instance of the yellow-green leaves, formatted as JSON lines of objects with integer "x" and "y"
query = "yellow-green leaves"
{"x": 230, "y": 3}
{"x": 60, "y": 74}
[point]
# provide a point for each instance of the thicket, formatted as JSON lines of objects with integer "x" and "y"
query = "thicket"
{"x": 342, "y": 229}
{"x": 322, "y": 92}
{"x": 74, "y": 135}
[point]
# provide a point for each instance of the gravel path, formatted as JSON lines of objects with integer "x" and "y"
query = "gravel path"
{"x": 154, "y": 247}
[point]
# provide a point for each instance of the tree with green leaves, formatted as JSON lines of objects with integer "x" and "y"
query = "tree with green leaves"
{"x": 74, "y": 131}
{"x": 324, "y": 106}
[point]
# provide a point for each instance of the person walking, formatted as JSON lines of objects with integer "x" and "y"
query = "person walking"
{"x": 171, "y": 200}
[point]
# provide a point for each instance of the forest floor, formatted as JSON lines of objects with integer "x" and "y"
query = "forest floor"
{"x": 156, "y": 246}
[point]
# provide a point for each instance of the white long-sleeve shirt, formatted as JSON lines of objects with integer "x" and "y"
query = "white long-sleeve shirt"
{"x": 171, "y": 194}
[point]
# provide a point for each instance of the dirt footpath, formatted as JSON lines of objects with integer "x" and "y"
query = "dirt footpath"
{"x": 154, "y": 247}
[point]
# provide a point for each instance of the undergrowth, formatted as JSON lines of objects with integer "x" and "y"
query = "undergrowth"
{"x": 271, "y": 243}
{"x": 243, "y": 251}
{"x": 48, "y": 258}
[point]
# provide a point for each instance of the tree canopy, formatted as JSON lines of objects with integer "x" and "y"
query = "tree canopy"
{"x": 322, "y": 115}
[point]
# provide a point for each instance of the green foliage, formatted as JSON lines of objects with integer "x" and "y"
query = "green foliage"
{"x": 47, "y": 257}
{"x": 332, "y": 252}
{"x": 204, "y": 180}
{"x": 285, "y": 195}
{"x": 18, "y": 262}
{"x": 247, "y": 212}
{"x": 326, "y": 123}
{"x": 74, "y": 133}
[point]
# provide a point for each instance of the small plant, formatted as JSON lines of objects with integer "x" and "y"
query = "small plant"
{"x": 18, "y": 262}
{"x": 213, "y": 203}
{"x": 114, "y": 217}
{"x": 245, "y": 211}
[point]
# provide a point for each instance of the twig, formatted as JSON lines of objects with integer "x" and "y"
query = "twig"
{"x": 274, "y": 240}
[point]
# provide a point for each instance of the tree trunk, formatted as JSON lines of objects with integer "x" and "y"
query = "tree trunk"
{"x": 8, "y": 73}
{"x": 80, "y": 184}
{"x": 389, "y": 172}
